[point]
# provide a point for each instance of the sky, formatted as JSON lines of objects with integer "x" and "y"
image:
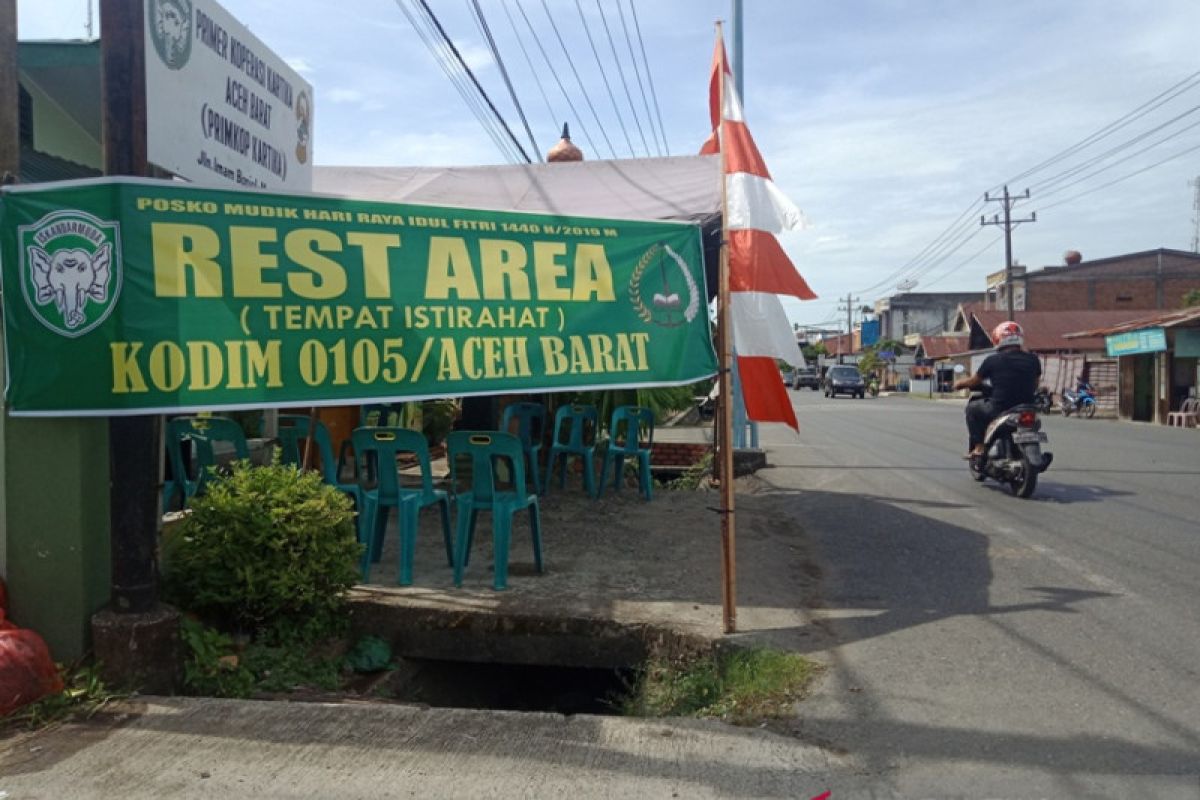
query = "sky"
{"x": 886, "y": 121}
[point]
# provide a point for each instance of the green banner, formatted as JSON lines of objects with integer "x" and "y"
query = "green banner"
{"x": 127, "y": 296}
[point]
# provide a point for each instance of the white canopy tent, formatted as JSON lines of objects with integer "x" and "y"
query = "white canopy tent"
{"x": 685, "y": 188}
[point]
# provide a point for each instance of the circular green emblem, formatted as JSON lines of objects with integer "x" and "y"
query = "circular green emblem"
{"x": 171, "y": 30}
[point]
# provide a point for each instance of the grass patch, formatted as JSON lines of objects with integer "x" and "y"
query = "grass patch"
{"x": 738, "y": 686}
{"x": 83, "y": 695}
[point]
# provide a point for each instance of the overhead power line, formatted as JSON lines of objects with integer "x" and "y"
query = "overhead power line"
{"x": 604, "y": 76}
{"x": 1054, "y": 180}
{"x": 1125, "y": 177}
{"x": 649, "y": 76}
{"x": 957, "y": 234}
{"x": 1188, "y": 83}
{"x": 583, "y": 89}
{"x": 555, "y": 119}
{"x": 638, "y": 74}
{"x": 442, "y": 56}
{"x": 617, "y": 59}
{"x": 1119, "y": 161}
{"x": 491, "y": 42}
{"x": 479, "y": 87}
{"x": 550, "y": 65}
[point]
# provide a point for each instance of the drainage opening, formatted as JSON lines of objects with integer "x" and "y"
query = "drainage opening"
{"x": 509, "y": 687}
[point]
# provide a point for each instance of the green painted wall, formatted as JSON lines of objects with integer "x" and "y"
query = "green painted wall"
{"x": 56, "y": 133}
{"x": 54, "y": 526}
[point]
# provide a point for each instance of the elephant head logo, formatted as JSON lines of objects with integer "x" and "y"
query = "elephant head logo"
{"x": 71, "y": 271}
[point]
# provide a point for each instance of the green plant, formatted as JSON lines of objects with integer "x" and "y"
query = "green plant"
{"x": 693, "y": 475}
{"x": 83, "y": 694}
{"x": 740, "y": 686}
{"x": 437, "y": 419}
{"x": 266, "y": 547}
{"x": 662, "y": 400}
{"x": 211, "y": 665}
{"x": 1192, "y": 298}
{"x": 216, "y": 666}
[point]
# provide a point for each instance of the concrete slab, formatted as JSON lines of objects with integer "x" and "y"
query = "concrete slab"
{"x": 621, "y": 575}
{"x": 167, "y": 748}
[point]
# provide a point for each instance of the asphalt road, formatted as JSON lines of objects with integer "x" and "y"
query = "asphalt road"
{"x": 986, "y": 646}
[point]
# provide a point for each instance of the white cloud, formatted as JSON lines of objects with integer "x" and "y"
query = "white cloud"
{"x": 344, "y": 95}
{"x": 300, "y": 64}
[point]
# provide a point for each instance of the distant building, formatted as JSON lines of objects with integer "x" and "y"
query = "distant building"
{"x": 1149, "y": 280}
{"x": 912, "y": 314}
{"x": 59, "y": 110}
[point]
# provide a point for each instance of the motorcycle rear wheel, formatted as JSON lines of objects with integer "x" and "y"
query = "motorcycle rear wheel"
{"x": 1089, "y": 410}
{"x": 1025, "y": 481}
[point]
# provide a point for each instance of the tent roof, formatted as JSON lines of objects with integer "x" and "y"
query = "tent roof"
{"x": 685, "y": 188}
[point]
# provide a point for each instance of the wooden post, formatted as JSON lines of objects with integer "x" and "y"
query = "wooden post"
{"x": 314, "y": 415}
{"x": 10, "y": 146}
{"x": 728, "y": 528}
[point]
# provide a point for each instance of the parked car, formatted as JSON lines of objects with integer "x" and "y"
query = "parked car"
{"x": 844, "y": 379}
{"x": 806, "y": 376}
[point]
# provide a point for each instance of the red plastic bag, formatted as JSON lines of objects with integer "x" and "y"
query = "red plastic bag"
{"x": 27, "y": 672}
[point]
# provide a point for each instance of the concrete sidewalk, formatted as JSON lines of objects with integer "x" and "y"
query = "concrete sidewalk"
{"x": 168, "y": 748}
{"x": 623, "y": 576}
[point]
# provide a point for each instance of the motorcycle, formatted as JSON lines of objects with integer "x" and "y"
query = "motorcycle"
{"x": 1080, "y": 401}
{"x": 1043, "y": 400}
{"x": 1013, "y": 452}
{"x": 873, "y": 387}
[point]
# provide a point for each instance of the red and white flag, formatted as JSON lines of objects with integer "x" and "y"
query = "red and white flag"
{"x": 759, "y": 270}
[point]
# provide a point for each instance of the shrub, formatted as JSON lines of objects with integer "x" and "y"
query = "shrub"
{"x": 267, "y": 547}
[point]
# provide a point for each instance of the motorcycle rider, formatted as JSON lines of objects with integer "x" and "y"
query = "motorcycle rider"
{"x": 1013, "y": 374}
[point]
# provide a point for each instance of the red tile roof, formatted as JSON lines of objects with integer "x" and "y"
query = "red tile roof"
{"x": 944, "y": 346}
{"x": 1046, "y": 330}
{"x": 1166, "y": 319}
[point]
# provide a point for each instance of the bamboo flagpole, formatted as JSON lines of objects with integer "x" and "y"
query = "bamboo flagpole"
{"x": 725, "y": 409}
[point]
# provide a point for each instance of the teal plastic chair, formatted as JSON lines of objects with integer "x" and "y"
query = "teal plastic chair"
{"x": 374, "y": 415}
{"x": 531, "y": 423}
{"x": 488, "y": 451}
{"x": 293, "y": 437}
{"x": 202, "y": 433}
{"x": 577, "y": 424}
{"x": 626, "y": 443}
{"x": 383, "y": 445}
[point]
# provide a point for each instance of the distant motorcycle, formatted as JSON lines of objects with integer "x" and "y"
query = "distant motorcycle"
{"x": 873, "y": 388}
{"x": 1044, "y": 400}
{"x": 1012, "y": 450}
{"x": 1078, "y": 401}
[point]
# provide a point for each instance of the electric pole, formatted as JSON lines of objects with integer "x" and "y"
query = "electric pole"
{"x": 849, "y": 309}
{"x": 1196, "y": 219}
{"x": 1008, "y": 223}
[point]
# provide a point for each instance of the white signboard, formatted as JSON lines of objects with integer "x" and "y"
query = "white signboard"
{"x": 222, "y": 109}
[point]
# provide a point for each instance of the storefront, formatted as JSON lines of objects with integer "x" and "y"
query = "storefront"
{"x": 1159, "y": 363}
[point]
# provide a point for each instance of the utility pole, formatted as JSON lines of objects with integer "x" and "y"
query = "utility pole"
{"x": 1195, "y": 182}
{"x": 136, "y": 637}
{"x": 849, "y": 309}
{"x": 1009, "y": 223}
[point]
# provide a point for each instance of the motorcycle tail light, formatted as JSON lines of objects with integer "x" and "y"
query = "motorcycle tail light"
{"x": 1027, "y": 419}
